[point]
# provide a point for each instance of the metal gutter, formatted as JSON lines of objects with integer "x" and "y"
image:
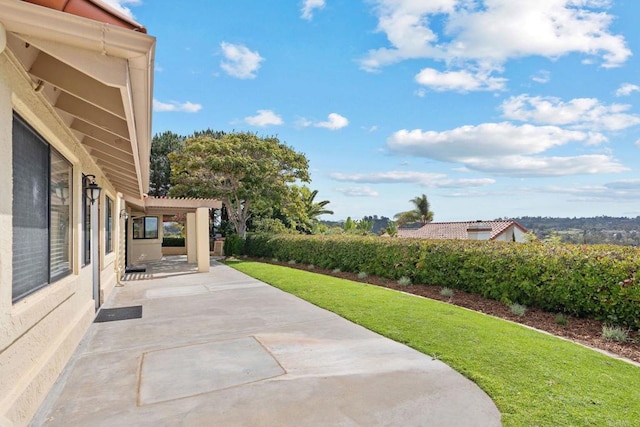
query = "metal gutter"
{"x": 48, "y": 29}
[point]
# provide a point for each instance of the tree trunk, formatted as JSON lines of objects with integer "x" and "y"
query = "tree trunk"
{"x": 238, "y": 215}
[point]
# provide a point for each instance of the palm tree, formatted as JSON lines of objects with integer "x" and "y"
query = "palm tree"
{"x": 315, "y": 209}
{"x": 311, "y": 210}
{"x": 421, "y": 213}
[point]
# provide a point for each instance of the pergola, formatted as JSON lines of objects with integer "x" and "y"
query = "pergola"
{"x": 197, "y": 224}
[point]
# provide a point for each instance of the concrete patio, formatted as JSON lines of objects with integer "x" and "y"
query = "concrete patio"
{"x": 223, "y": 349}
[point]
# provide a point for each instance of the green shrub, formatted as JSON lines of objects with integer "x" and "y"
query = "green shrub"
{"x": 584, "y": 281}
{"x": 518, "y": 309}
{"x": 404, "y": 281}
{"x": 233, "y": 245}
{"x": 615, "y": 333}
{"x": 561, "y": 319}
{"x": 173, "y": 242}
{"x": 446, "y": 292}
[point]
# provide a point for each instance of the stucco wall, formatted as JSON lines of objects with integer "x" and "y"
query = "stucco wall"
{"x": 174, "y": 250}
{"x": 520, "y": 235}
{"x": 39, "y": 333}
{"x": 509, "y": 234}
{"x": 142, "y": 250}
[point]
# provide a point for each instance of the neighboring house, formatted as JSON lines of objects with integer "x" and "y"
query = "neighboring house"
{"x": 76, "y": 82}
{"x": 502, "y": 230}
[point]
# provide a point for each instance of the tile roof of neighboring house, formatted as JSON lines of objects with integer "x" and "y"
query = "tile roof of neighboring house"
{"x": 457, "y": 230}
{"x": 92, "y": 9}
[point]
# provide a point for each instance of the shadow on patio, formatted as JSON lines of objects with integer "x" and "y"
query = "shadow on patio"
{"x": 169, "y": 266}
{"x": 221, "y": 348}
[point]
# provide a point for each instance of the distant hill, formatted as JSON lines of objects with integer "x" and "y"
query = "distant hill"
{"x": 600, "y": 229}
{"x": 594, "y": 230}
{"x": 379, "y": 223}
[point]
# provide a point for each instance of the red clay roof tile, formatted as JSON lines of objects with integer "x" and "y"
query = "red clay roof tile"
{"x": 456, "y": 230}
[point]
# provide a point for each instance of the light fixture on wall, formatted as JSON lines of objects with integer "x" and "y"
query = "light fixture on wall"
{"x": 92, "y": 189}
{"x": 38, "y": 86}
{"x": 124, "y": 214}
{"x": 62, "y": 192}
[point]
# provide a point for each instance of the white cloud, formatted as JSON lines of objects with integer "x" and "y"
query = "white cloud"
{"x": 637, "y": 143}
{"x": 486, "y": 33}
{"x": 405, "y": 22}
{"x": 627, "y": 89}
{"x": 335, "y": 121}
{"x": 264, "y": 118}
{"x": 542, "y": 76}
{"x": 357, "y": 191}
{"x": 484, "y": 140}
{"x": 119, "y": 5}
{"x": 505, "y": 149}
{"x": 617, "y": 191}
{"x": 529, "y": 166}
{"x": 425, "y": 179}
{"x": 302, "y": 122}
{"x": 308, "y": 7}
{"x": 239, "y": 61}
{"x": 465, "y": 183}
{"x": 460, "y": 81}
{"x": 175, "y": 106}
{"x": 632, "y": 185}
{"x": 580, "y": 113}
{"x": 388, "y": 177}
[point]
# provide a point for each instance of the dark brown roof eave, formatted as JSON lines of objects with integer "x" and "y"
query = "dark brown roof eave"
{"x": 92, "y": 9}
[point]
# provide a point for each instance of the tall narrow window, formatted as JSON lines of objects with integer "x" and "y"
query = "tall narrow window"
{"x": 42, "y": 244}
{"x": 60, "y": 216}
{"x": 109, "y": 226}
{"x": 86, "y": 224}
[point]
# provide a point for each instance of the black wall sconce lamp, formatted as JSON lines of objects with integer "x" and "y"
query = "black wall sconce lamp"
{"x": 124, "y": 214}
{"x": 92, "y": 189}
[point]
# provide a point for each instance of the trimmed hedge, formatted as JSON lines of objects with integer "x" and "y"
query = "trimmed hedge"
{"x": 585, "y": 281}
{"x": 174, "y": 242}
{"x": 233, "y": 245}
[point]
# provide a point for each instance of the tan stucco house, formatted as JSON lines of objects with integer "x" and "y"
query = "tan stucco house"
{"x": 76, "y": 82}
{"x": 501, "y": 231}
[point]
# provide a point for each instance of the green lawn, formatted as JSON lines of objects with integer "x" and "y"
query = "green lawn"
{"x": 535, "y": 379}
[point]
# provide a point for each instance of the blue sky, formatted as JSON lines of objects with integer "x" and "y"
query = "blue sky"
{"x": 493, "y": 108}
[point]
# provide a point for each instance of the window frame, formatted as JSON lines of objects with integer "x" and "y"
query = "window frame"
{"x": 142, "y": 226}
{"x": 69, "y": 217}
{"x": 86, "y": 223}
{"x": 108, "y": 225}
{"x": 51, "y": 270}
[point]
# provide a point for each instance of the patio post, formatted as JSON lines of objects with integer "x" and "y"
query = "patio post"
{"x": 202, "y": 239}
{"x": 191, "y": 238}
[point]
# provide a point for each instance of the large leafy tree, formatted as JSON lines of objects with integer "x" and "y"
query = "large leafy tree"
{"x": 160, "y": 178}
{"x": 239, "y": 169}
{"x": 420, "y": 213}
